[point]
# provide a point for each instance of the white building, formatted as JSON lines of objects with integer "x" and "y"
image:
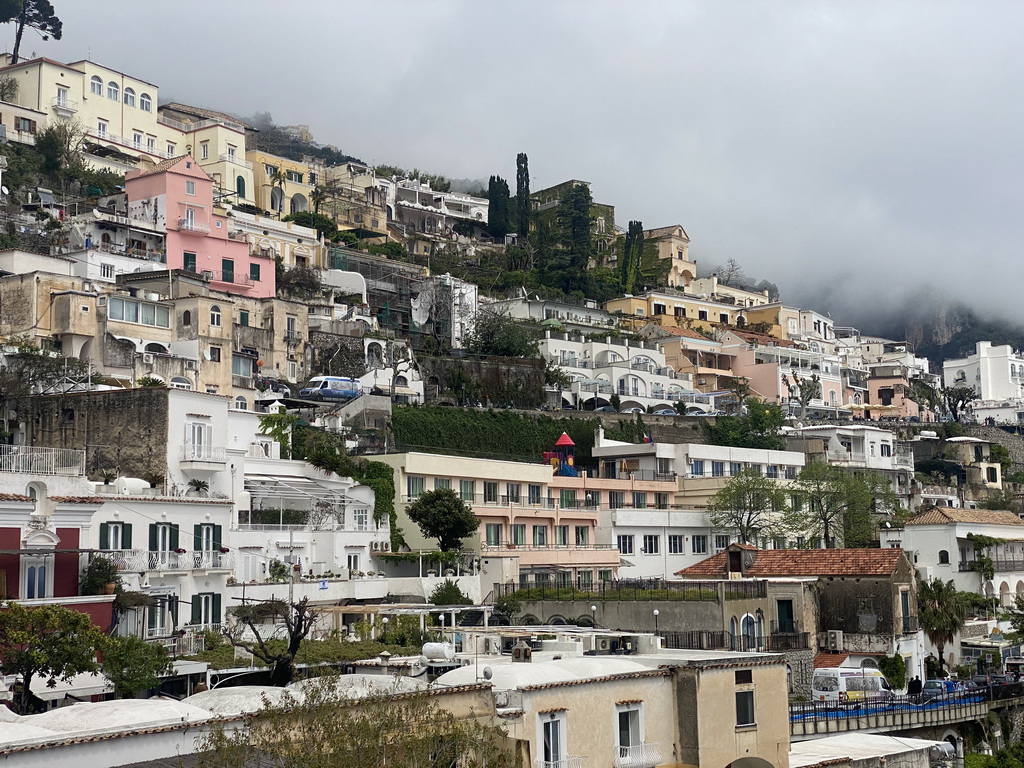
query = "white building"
{"x": 583, "y": 317}
{"x": 994, "y": 373}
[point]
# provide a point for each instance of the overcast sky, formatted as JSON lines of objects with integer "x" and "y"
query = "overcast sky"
{"x": 837, "y": 148}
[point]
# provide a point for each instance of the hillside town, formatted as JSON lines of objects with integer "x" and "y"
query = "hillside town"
{"x": 282, "y": 431}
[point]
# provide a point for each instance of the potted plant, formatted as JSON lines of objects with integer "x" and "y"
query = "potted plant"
{"x": 154, "y": 479}
{"x": 107, "y": 475}
{"x": 198, "y": 487}
{"x": 100, "y": 576}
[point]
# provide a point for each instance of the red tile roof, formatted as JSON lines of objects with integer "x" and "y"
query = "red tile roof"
{"x": 78, "y": 499}
{"x": 804, "y": 562}
{"x": 826, "y": 659}
{"x": 15, "y": 497}
{"x": 762, "y": 338}
{"x": 687, "y": 333}
{"x": 944, "y": 515}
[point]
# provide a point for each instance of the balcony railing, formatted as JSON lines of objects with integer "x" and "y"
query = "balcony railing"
{"x": 220, "y": 276}
{"x": 138, "y": 560}
{"x": 191, "y": 225}
{"x": 785, "y": 627}
{"x": 65, "y": 105}
{"x": 42, "y": 461}
{"x": 241, "y": 381}
{"x": 569, "y": 761}
{"x": 910, "y": 625}
{"x": 235, "y": 160}
{"x": 997, "y": 565}
{"x": 644, "y": 755}
{"x": 203, "y": 452}
{"x": 292, "y": 336}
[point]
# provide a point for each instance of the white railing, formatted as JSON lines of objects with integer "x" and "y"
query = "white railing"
{"x": 188, "y": 127}
{"x": 42, "y": 461}
{"x": 191, "y": 225}
{"x": 66, "y": 104}
{"x": 569, "y": 761}
{"x": 645, "y": 755}
{"x": 234, "y": 159}
{"x": 138, "y": 560}
{"x": 203, "y": 452}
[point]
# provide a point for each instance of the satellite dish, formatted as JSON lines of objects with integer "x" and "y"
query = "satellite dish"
{"x": 5, "y": 190}
{"x": 488, "y": 673}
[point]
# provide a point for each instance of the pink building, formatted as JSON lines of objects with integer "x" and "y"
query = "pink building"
{"x": 178, "y": 195}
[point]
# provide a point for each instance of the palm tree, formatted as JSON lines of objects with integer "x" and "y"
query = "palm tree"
{"x": 278, "y": 179}
{"x": 318, "y": 197}
{"x": 942, "y": 612}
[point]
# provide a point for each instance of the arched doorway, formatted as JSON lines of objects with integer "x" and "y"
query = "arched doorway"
{"x": 299, "y": 203}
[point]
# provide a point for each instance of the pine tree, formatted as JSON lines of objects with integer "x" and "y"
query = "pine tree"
{"x": 522, "y": 195}
{"x": 34, "y": 14}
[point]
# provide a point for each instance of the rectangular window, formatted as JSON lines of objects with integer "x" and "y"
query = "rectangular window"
{"x": 702, "y": 314}
{"x": 796, "y": 502}
{"x": 227, "y": 270}
{"x": 415, "y": 486}
{"x": 101, "y": 128}
{"x": 699, "y": 544}
{"x": 243, "y": 317}
{"x": 254, "y": 272}
{"x": 744, "y": 708}
{"x": 466, "y": 490}
{"x": 540, "y": 535}
{"x": 490, "y": 492}
{"x": 582, "y": 536}
{"x": 616, "y": 499}
{"x": 664, "y": 466}
{"x": 675, "y": 544}
{"x": 721, "y": 542}
{"x": 735, "y": 468}
{"x": 214, "y": 354}
{"x": 625, "y": 543}
{"x": 791, "y": 473}
{"x": 493, "y": 534}
{"x": 151, "y": 144}
{"x": 512, "y": 492}
{"x": 241, "y": 365}
{"x": 231, "y": 151}
{"x": 107, "y": 271}
{"x": 629, "y": 730}
{"x": 723, "y": 317}
{"x": 519, "y": 534}
{"x": 190, "y": 188}
{"x": 718, "y": 469}
{"x": 295, "y": 176}
{"x": 567, "y": 498}
{"x": 188, "y": 262}
{"x": 270, "y": 170}
{"x": 171, "y": 149}
{"x": 743, "y": 676}
{"x": 639, "y": 500}
{"x": 697, "y": 468}
{"x": 137, "y": 141}
{"x": 442, "y": 483}
{"x": 561, "y": 535}
{"x": 204, "y": 151}
{"x": 534, "y": 494}
{"x": 661, "y": 501}
{"x": 652, "y": 544}
{"x": 553, "y": 731}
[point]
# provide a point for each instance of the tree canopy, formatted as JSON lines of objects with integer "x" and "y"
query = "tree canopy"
{"x": 133, "y": 665}
{"x": 324, "y": 225}
{"x": 442, "y": 515}
{"x": 498, "y": 211}
{"x": 298, "y": 619}
{"x": 837, "y": 506}
{"x": 955, "y": 400}
{"x": 34, "y": 14}
{"x": 941, "y": 612}
{"x": 751, "y": 505}
{"x": 495, "y": 334}
{"x": 757, "y": 428}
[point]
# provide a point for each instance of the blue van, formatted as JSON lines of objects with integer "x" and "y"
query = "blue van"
{"x": 331, "y": 388}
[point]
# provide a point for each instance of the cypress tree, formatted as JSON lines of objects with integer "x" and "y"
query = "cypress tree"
{"x": 522, "y": 195}
{"x": 497, "y": 207}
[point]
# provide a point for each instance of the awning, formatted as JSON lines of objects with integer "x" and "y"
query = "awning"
{"x": 277, "y": 487}
{"x": 80, "y": 686}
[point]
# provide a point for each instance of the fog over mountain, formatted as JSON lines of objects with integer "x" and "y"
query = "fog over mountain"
{"x": 866, "y": 157}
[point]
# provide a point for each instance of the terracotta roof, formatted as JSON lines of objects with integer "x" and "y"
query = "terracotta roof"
{"x": 945, "y": 515}
{"x": 23, "y": 62}
{"x": 77, "y": 499}
{"x": 207, "y": 113}
{"x": 163, "y": 165}
{"x": 804, "y": 562}
{"x": 762, "y": 338}
{"x": 15, "y": 497}
{"x": 687, "y": 333}
{"x": 657, "y": 232}
{"x": 826, "y": 659}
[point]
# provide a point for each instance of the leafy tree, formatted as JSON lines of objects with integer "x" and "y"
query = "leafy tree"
{"x": 448, "y": 592}
{"x": 298, "y": 619}
{"x": 34, "y": 14}
{"x": 1001, "y": 453}
{"x": 391, "y": 249}
{"x": 133, "y": 665}
{"x": 51, "y": 642}
{"x": 324, "y": 225}
{"x": 496, "y": 334}
{"x": 941, "y": 612}
{"x": 923, "y": 393}
{"x": 9, "y": 88}
{"x": 629, "y": 260}
{"x": 757, "y": 428}
{"x": 497, "y": 207}
{"x": 895, "y": 670}
{"x": 62, "y": 147}
{"x": 280, "y": 426}
{"x": 807, "y": 388}
{"x": 522, "y": 196}
{"x": 750, "y": 504}
{"x": 956, "y": 398}
{"x": 442, "y": 515}
{"x": 326, "y": 728}
{"x": 838, "y": 506}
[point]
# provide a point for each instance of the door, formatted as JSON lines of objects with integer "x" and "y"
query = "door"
{"x": 552, "y": 741}
{"x": 785, "y": 612}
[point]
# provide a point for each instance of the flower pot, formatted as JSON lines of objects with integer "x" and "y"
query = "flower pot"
{"x": 109, "y": 588}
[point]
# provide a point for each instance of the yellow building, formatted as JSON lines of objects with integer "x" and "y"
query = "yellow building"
{"x": 280, "y": 195}
{"x": 674, "y": 245}
{"x": 673, "y": 309}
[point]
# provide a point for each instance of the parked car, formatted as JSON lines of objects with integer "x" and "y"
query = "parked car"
{"x": 934, "y": 689}
{"x": 665, "y": 412}
{"x": 605, "y": 409}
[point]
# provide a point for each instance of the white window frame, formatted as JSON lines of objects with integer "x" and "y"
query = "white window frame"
{"x": 635, "y": 738}
{"x": 36, "y": 561}
{"x": 145, "y": 102}
{"x": 96, "y": 85}
{"x": 204, "y": 150}
{"x": 190, "y": 189}
{"x": 552, "y": 756}
{"x": 129, "y": 97}
{"x": 113, "y": 91}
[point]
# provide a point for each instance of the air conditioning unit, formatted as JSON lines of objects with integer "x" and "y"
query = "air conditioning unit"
{"x": 702, "y": 382}
{"x": 835, "y": 640}
{"x": 385, "y": 546}
{"x": 147, "y": 358}
{"x": 375, "y": 546}
{"x": 191, "y": 365}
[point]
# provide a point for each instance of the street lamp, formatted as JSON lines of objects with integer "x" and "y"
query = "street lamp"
{"x": 384, "y": 628}
{"x": 656, "y": 614}
{"x": 593, "y": 615}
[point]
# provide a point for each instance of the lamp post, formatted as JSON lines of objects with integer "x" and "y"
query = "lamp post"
{"x": 656, "y": 614}
{"x": 593, "y": 615}
{"x": 383, "y": 628}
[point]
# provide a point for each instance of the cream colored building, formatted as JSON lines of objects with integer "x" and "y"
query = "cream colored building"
{"x": 674, "y": 245}
{"x": 297, "y": 246}
{"x": 289, "y": 196}
{"x": 672, "y": 308}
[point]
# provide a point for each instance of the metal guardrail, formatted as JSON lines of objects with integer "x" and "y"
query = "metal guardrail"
{"x": 639, "y": 589}
{"x": 42, "y": 461}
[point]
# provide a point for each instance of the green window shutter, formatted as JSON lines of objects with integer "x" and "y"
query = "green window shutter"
{"x": 172, "y": 606}
{"x": 215, "y": 619}
{"x": 175, "y": 536}
{"x": 126, "y": 535}
{"x": 104, "y": 535}
{"x": 197, "y": 609}
{"x": 154, "y": 537}
{"x": 218, "y": 536}
{"x": 197, "y": 537}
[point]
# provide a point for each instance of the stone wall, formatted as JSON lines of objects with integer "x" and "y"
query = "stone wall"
{"x": 499, "y": 381}
{"x": 329, "y": 354}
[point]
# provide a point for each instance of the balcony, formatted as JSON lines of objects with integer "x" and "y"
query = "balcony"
{"x": 200, "y": 456}
{"x": 64, "y": 107}
{"x": 139, "y": 560}
{"x": 569, "y": 761}
{"x": 643, "y": 755}
{"x": 785, "y": 627}
{"x": 235, "y": 160}
{"x": 910, "y": 625}
{"x": 42, "y": 461}
{"x": 245, "y": 382}
{"x": 292, "y": 337}
{"x": 192, "y": 226}
{"x": 221, "y": 276}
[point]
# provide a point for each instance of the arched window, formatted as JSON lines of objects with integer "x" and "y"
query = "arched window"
{"x": 186, "y": 317}
{"x": 1013, "y": 369}
{"x": 113, "y": 91}
{"x": 145, "y": 103}
{"x": 241, "y": 404}
{"x": 401, "y": 381}
{"x": 156, "y": 348}
{"x": 240, "y": 187}
{"x": 943, "y": 557}
{"x": 215, "y": 316}
{"x": 35, "y": 491}
{"x": 96, "y": 85}
{"x": 749, "y": 633}
{"x": 129, "y": 97}
{"x": 180, "y": 382}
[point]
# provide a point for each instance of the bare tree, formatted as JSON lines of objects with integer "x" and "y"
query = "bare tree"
{"x": 807, "y": 388}
{"x": 731, "y": 273}
{"x": 298, "y": 619}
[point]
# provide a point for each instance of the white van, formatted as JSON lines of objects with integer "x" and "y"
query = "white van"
{"x": 849, "y": 684}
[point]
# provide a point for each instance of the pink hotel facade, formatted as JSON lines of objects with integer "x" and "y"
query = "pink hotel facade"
{"x": 177, "y": 196}
{"x": 535, "y": 526}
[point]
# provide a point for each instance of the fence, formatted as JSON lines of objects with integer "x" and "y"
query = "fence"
{"x": 637, "y": 589}
{"x": 716, "y": 640}
{"x": 42, "y": 461}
